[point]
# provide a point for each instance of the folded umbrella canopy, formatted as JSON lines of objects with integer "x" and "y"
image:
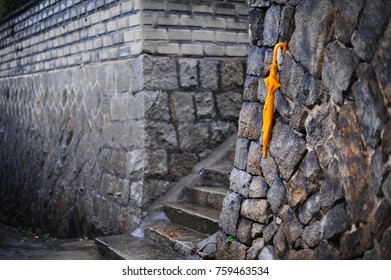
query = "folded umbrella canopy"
{"x": 272, "y": 85}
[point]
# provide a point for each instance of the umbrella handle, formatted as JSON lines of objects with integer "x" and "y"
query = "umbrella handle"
{"x": 283, "y": 46}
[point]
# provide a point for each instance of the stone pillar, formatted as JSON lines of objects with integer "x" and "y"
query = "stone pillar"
{"x": 323, "y": 191}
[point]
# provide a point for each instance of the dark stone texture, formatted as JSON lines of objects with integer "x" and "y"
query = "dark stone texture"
{"x": 325, "y": 252}
{"x": 331, "y": 188}
{"x": 297, "y": 190}
{"x": 255, "y": 249}
{"x": 282, "y": 105}
{"x": 271, "y": 26}
{"x": 305, "y": 254}
{"x": 377, "y": 171}
{"x": 381, "y": 63}
{"x": 269, "y": 231}
{"x": 229, "y": 104}
{"x": 250, "y": 121}
{"x": 257, "y": 210}
{"x": 229, "y": 251}
{"x": 276, "y": 195}
{"x": 346, "y": 19}
{"x": 286, "y": 27}
{"x": 240, "y": 182}
{"x": 339, "y": 66}
{"x": 298, "y": 116}
{"x": 258, "y": 3}
{"x": 231, "y": 74}
{"x": 256, "y": 18}
{"x": 298, "y": 84}
{"x": 387, "y": 189}
{"x": 253, "y": 162}
{"x": 381, "y": 220}
{"x": 179, "y": 164}
{"x": 269, "y": 169}
{"x": 286, "y": 148}
{"x": 230, "y": 213}
{"x": 280, "y": 243}
{"x": 250, "y": 89}
{"x": 370, "y": 105}
{"x": 244, "y": 231}
{"x": 188, "y": 73}
{"x": 208, "y": 78}
{"x": 268, "y": 253}
{"x": 290, "y": 224}
{"x": 258, "y": 187}
{"x": 374, "y": 18}
{"x": 205, "y": 106}
{"x": 311, "y": 234}
{"x": 241, "y": 153}
{"x": 310, "y": 167}
{"x": 335, "y": 221}
{"x": 310, "y": 208}
{"x": 312, "y": 32}
{"x": 356, "y": 243}
{"x": 254, "y": 68}
{"x": 257, "y": 230}
{"x": 386, "y": 138}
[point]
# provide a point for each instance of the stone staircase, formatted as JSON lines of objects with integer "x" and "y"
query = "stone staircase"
{"x": 192, "y": 212}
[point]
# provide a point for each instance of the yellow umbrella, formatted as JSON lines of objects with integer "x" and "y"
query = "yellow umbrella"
{"x": 272, "y": 85}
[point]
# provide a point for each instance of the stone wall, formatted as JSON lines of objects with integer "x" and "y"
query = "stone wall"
{"x": 98, "y": 119}
{"x": 323, "y": 191}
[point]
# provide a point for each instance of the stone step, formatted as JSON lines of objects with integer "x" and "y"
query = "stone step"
{"x": 216, "y": 176}
{"x": 127, "y": 247}
{"x": 196, "y": 217}
{"x": 177, "y": 238}
{"x": 207, "y": 196}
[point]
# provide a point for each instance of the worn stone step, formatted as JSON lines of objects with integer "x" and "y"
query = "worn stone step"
{"x": 193, "y": 216}
{"x": 208, "y": 196}
{"x": 127, "y": 247}
{"x": 178, "y": 238}
{"x": 218, "y": 176}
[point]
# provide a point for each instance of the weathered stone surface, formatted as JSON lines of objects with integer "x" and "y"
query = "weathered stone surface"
{"x": 255, "y": 209}
{"x": 241, "y": 153}
{"x": 258, "y": 3}
{"x": 382, "y": 220}
{"x": 155, "y": 105}
{"x": 244, "y": 231}
{"x": 297, "y": 191}
{"x": 257, "y": 230}
{"x": 231, "y": 74}
{"x": 230, "y": 213}
{"x": 240, "y": 182}
{"x": 290, "y": 224}
{"x": 262, "y": 90}
{"x": 334, "y": 222}
{"x": 156, "y": 163}
{"x": 377, "y": 170}
{"x": 180, "y": 164}
{"x": 258, "y": 187}
{"x": 319, "y": 125}
{"x": 188, "y": 73}
{"x": 253, "y": 161}
{"x": 286, "y": 148}
{"x": 331, "y": 188}
{"x": 346, "y": 19}
{"x": 381, "y": 63}
{"x": 271, "y": 25}
{"x": 286, "y": 27}
{"x": 305, "y": 254}
{"x": 369, "y": 102}
{"x": 229, "y": 251}
{"x": 269, "y": 169}
{"x": 193, "y": 135}
{"x": 269, "y": 231}
{"x": 311, "y": 234}
{"x": 310, "y": 208}
{"x": 182, "y": 106}
{"x": 256, "y": 18}
{"x": 298, "y": 116}
{"x": 310, "y": 167}
{"x": 276, "y": 195}
{"x": 356, "y": 243}
{"x": 386, "y": 138}
{"x": 339, "y": 66}
{"x": 229, "y": 104}
{"x": 158, "y": 134}
{"x": 205, "y": 105}
{"x": 312, "y": 21}
{"x": 282, "y": 105}
{"x": 387, "y": 189}
{"x": 325, "y": 252}
{"x": 250, "y": 89}
{"x": 372, "y": 21}
{"x": 268, "y": 253}
{"x": 280, "y": 243}
{"x": 254, "y": 68}
{"x": 255, "y": 249}
{"x": 250, "y": 121}
{"x": 208, "y": 78}
{"x": 221, "y": 130}
{"x": 162, "y": 67}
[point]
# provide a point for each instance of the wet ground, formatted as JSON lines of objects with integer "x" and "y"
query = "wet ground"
{"x": 19, "y": 245}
